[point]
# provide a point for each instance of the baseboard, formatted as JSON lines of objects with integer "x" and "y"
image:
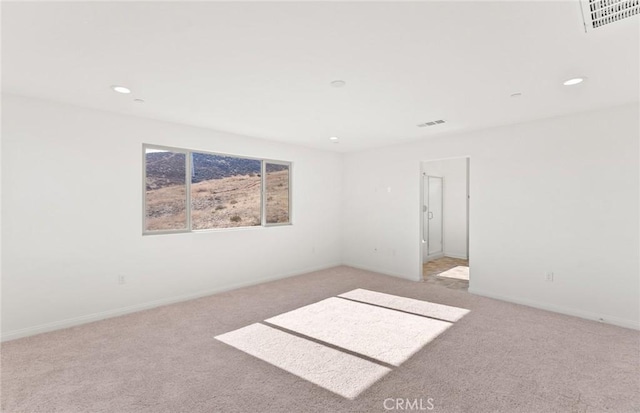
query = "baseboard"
{"x": 432, "y": 257}
{"x": 620, "y": 322}
{"x": 381, "y": 271}
{"x": 458, "y": 256}
{"x": 89, "y": 318}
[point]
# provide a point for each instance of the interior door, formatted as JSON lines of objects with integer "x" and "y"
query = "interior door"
{"x": 434, "y": 215}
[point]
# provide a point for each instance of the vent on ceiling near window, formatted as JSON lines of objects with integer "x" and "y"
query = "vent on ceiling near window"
{"x": 432, "y": 123}
{"x": 598, "y": 13}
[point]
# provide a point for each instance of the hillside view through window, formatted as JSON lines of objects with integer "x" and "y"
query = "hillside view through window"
{"x": 166, "y": 190}
{"x": 225, "y": 191}
{"x": 277, "y": 191}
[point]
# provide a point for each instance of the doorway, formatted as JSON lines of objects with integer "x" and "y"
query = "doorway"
{"x": 433, "y": 222}
{"x": 445, "y": 222}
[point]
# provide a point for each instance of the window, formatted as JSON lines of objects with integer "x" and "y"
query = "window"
{"x": 165, "y": 190}
{"x": 277, "y": 192}
{"x": 192, "y": 190}
{"x": 225, "y": 191}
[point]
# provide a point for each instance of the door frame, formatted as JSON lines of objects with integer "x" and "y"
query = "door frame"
{"x": 421, "y": 260}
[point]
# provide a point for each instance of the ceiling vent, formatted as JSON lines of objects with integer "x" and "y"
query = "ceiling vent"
{"x": 598, "y": 13}
{"x": 432, "y": 123}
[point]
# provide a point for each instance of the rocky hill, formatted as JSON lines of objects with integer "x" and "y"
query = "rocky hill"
{"x": 167, "y": 168}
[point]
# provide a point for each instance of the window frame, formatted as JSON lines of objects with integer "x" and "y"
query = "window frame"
{"x": 188, "y": 166}
{"x": 187, "y": 181}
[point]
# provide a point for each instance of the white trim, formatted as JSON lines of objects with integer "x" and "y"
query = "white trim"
{"x": 603, "y": 318}
{"x": 263, "y": 193}
{"x": 468, "y": 206}
{"x": 88, "y": 318}
{"x": 188, "y": 177}
{"x": 383, "y": 271}
{"x": 433, "y": 257}
{"x": 458, "y": 256}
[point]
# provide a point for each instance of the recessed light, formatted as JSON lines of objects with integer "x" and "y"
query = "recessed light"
{"x": 138, "y": 100}
{"x": 120, "y": 89}
{"x": 338, "y": 83}
{"x": 333, "y": 139}
{"x": 574, "y": 81}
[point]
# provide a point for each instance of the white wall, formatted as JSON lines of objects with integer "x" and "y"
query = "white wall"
{"x": 454, "y": 174}
{"x": 72, "y": 210}
{"x": 557, "y": 195}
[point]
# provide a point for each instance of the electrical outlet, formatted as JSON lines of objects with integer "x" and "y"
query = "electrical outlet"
{"x": 121, "y": 279}
{"x": 550, "y": 276}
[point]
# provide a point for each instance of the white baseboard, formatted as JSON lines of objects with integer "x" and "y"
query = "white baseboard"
{"x": 89, "y": 318}
{"x": 458, "y": 256}
{"x": 381, "y": 271}
{"x": 603, "y": 318}
{"x": 432, "y": 257}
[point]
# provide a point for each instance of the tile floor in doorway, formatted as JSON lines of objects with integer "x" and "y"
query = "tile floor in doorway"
{"x": 431, "y": 269}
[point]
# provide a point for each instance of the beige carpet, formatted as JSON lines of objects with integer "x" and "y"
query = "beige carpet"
{"x": 381, "y": 334}
{"x": 331, "y": 343}
{"x": 409, "y": 305}
{"x": 499, "y": 357}
{"x": 331, "y": 369}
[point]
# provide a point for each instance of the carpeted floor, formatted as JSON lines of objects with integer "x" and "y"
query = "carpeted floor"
{"x": 499, "y": 357}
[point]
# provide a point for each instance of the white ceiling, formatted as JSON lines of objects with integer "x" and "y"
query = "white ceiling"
{"x": 263, "y": 69}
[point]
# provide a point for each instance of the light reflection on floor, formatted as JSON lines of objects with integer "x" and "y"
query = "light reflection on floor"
{"x": 345, "y": 344}
{"x": 459, "y": 273}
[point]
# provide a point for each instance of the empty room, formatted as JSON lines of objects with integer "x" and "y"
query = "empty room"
{"x": 320, "y": 206}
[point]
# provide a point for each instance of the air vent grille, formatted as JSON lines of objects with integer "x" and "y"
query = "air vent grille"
{"x": 432, "y": 123}
{"x": 598, "y": 13}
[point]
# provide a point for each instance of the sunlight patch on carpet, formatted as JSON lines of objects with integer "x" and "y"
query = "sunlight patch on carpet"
{"x": 338, "y": 372}
{"x": 410, "y": 305}
{"x": 386, "y": 335}
{"x": 459, "y": 273}
{"x": 338, "y": 342}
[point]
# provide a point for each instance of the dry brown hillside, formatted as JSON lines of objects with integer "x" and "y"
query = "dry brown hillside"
{"x": 219, "y": 203}
{"x": 277, "y": 197}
